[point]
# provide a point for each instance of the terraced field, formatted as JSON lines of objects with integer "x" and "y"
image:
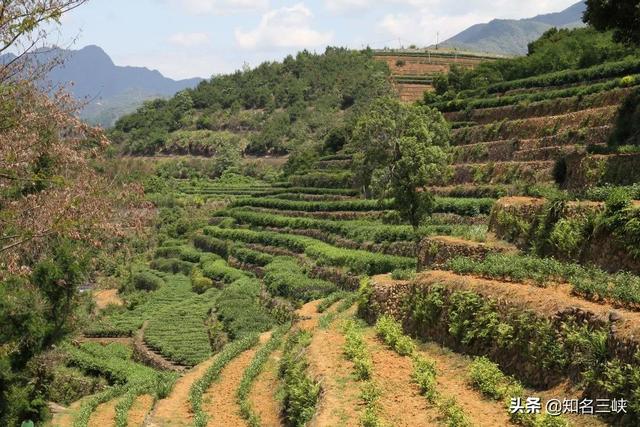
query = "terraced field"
{"x": 297, "y": 303}
{"x": 413, "y": 70}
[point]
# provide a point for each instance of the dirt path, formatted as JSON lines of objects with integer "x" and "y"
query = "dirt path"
{"x": 175, "y": 410}
{"x": 104, "y": 415}
{"x": 339, "y": 403}
{"x": 138, "y": 412}
{"x": 309, "y": 316}
{"x": 63, "y": 417}
{"x": 401, "y": 403}
{"x": 452, "y": 376}
{"x": 263, "y": 393}
{"x": 220, "y": 401}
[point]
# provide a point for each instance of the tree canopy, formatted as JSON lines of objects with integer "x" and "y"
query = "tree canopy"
{"x": 400, "y": 149}
{"x": 621, "y": 16}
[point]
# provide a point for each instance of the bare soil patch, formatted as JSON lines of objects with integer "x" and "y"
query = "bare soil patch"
{"x": 138, "y": 412}
{"x": 263, "y": 393}
{"x": 175, "y": 410}
{"x": 104, "y": 415}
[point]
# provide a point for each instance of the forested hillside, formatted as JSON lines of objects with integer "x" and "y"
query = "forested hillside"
{"x": 271, "y": 109}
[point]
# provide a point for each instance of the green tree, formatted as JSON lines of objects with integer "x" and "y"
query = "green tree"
{"x": 621, "y": 16}
{"x": 399, "y": 150}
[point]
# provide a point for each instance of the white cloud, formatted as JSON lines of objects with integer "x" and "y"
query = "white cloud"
{"x": 282, "y": 28}
{"x": 221, "y": 7}
{"x": 189, "y": 39}
{"x": 423, "y": 28}
{"x": 341, "y": 6}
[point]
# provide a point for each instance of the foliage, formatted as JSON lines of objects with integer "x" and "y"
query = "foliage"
{"x": 627, "y": 127}
{"x": 400, "y": 149}
{"x": 281, "y": 105}
{"x": 240, "y": 309}
{"x": 390, "y": 331}
{"x": 621, "y": 16}
{"x": 300, "y": 392}
{"x": 357, "y": 260}
{"x": 355, "y": 349}
{"x": 284, "y": 277}
{"x": 127, "y": 377}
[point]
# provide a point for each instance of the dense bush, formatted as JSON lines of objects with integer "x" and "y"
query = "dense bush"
{"x": 627, "y": 128}
{"x": 240, "y": 310}
{"x": 211, "y": 244}
{"x": 146, "y": 281}
{"x": 300, "y": 99}
{"x": 356, "y": 260}
{"x": 284, "y": 277}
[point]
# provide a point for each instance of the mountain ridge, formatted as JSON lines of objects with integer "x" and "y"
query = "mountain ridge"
{"x": 512, "y": 36}
{"x": 110, "y": 90}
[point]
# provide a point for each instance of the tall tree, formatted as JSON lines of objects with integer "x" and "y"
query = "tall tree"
{"x": 401, "y": 149}
{"x": 621, "y": 16}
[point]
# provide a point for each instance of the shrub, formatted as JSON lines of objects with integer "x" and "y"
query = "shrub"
{"x": 300, "y": 392}
{"x": 424, "y": 374}
{"x": 356, "y": 350}
{"x": 199, "y": 283}
{"x": 284, "y": 277}
{"x": 146, "y": 281}
{"x": 219, "y": 271}
{"x": 211, "y": 244}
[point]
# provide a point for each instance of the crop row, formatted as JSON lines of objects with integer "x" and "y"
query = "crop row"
{"x": 198, "y": 388}
{"x": 590, "y": 282}
{"x": 460, "y": 206}
{"x": 607, "y": 70}
{"x": 358, "y": 261}
{"x": 129, "y": 379}
{"x": 578, "y": 91}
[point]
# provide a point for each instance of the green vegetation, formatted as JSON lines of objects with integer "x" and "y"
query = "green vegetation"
{"x": 129, "y": 379}
{"x": 621, "y": 16}
{"x": 424, "y": 370}
{"x": 487, "y": 378}
{"x": 230, "y": 352}
{"x": 357, "y": 261}
{"x": 300, "y": 392}
{"x": 355, "y": 349}
{"x": 399, "y": 150}
{"x": 286, "y": 278}
{"x": 280, "y": 106}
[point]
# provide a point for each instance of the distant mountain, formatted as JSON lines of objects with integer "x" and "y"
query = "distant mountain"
{"x": 110, "y": 90}
{"x": 511, "y": 36}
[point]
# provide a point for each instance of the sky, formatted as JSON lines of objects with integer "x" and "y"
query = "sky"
{"x": 202, "y": 38}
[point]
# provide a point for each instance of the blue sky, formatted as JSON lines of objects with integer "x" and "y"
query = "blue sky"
{"x": 187, "y": 38}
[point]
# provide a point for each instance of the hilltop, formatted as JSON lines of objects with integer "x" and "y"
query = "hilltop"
{"x": 511, "y": 36}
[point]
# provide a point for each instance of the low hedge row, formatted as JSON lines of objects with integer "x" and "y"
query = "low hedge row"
{"x": 284, "y": 277}
{"x": 460, "y": 206}
{"x": 492, "y": 102}
{"x": 358, "y": 261}
{"x": 607, "y": 70}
